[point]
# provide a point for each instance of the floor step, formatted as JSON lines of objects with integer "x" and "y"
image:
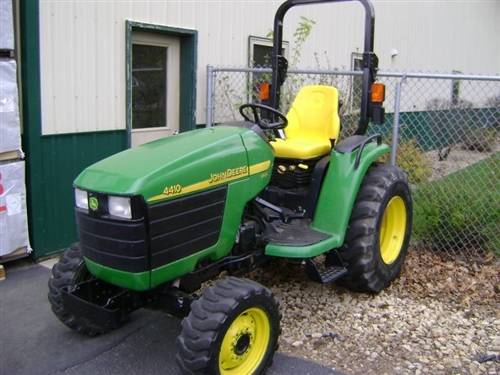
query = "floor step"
{"x": 297, "y": 233}
{"x": 325, "y": 275}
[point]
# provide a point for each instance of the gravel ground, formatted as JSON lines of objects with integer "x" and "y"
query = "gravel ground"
{"x": 441, "y": 316}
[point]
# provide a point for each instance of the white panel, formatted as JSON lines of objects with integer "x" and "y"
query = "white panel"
{"x": 83, "y": 45}
{"x": 6, "y": 25}
{"x": 57, "y": 60}
{"x": 439, "y": 36}
{"x": 110, "y": 68}
{"x": 10, "y": 134}
{"x": 85, "y": 67}
{"x": 13, "y": 216}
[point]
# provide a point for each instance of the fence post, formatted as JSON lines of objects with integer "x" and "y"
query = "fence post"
{"x": 210, "y": 107}
{"x": 395, "y": 128}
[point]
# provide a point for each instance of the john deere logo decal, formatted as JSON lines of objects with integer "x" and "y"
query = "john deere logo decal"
{"x": 93, "y": 203}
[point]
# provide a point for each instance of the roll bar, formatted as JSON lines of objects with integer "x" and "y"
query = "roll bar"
{"x": 370, "y": 60}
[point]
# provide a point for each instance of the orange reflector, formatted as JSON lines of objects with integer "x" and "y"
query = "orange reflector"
{"x": 378, "y": 93}
{"x": 264, "y": 91}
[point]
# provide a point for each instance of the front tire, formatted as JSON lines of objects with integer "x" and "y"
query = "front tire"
{"x": 379, "y": 230}
{"x": 232, "y": 329}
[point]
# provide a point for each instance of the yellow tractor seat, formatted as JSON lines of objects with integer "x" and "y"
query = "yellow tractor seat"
{"x": 313, "y": 124}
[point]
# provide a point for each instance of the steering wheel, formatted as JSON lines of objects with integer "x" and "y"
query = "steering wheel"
{"x": 280, "y": 124}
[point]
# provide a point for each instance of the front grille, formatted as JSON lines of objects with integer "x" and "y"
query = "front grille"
{"x": 185, "y": 226}
{"x": 120, "y": 245}
{"x": 172, "y": 230}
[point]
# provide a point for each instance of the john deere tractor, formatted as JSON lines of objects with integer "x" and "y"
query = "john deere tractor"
{"x": 158, "y": 220}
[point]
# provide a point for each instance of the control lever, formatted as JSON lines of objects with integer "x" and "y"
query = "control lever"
{"x": 285, "y": 215}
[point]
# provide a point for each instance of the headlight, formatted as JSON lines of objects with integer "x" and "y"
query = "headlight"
{"x": 120, "y": 207}
{"x": 81, "y": 199}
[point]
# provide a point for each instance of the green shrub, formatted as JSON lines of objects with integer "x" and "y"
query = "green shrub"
{"x": 412, "y": 160}
{"x": 461, "y": 212}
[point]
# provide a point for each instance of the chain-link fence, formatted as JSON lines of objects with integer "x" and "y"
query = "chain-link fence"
{"x": 445, "y": 133}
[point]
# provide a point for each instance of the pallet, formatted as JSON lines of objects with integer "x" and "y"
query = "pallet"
{"x": 10, "y": 156}
{"x": 22, "y": 252}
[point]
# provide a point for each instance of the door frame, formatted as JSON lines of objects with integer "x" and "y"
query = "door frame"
{"x": 188, "y": 70}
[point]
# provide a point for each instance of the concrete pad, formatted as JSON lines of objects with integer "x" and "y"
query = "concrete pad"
{"x": 33, "y": 341}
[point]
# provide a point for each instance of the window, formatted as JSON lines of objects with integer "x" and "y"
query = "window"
{"x": 260, "y": 54}
{"x": 260, "y": 51}
{"x": 149, "y": 86}
{"x": 357, "y": 81}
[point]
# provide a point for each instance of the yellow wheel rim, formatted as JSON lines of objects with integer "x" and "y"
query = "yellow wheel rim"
{"x": 245, "y": 343}
{"x": 392, "y": 230}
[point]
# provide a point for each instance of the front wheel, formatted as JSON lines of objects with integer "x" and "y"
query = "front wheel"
{"x": 232, "y": 329}
{"x": 379, "y": 230}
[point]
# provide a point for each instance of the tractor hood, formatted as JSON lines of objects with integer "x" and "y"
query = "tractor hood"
{"x": 181, "y": 164}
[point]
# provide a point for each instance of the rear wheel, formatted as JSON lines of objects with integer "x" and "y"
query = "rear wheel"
{"x": 67, "y": 273}
{"x": 379, "y": 230}
{"x": 232, "y": 329}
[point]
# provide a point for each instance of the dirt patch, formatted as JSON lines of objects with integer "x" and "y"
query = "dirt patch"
{"x": 458, "y": 158}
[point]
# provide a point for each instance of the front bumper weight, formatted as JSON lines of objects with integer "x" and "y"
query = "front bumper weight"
{"x": 100, "y": 303}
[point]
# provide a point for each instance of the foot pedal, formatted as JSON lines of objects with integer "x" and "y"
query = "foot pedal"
{"x": 326, "y": 275}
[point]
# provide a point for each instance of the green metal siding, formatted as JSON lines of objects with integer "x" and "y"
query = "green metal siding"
{"x": 31, "y": 117}
{"x": 438, "y": 129}
{"x": 63, "y": 157}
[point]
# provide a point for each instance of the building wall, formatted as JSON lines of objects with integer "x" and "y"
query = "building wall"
{"x": 439, "y": 36}
{"x": 61, "y": 159}
{"x": 74, "y": 71}
{"x": 83, "y": 52}
{"x": 52, "y": 161}
{"x": 83, "y": 45}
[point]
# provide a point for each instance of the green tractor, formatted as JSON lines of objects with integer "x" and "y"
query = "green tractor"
{"x": 158, "y": 220}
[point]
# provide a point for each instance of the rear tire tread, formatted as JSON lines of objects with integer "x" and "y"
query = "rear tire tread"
{"x": 360, "y": 252}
